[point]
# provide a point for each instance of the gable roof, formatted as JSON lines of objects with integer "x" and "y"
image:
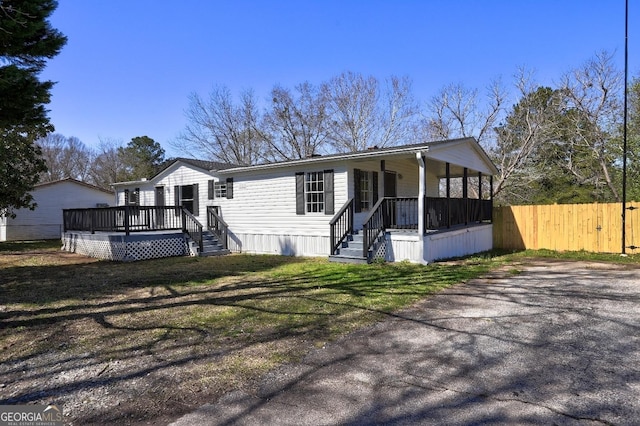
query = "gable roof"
{"x": 205, "y": 166}
{"x": 72, "y": 180}
{"x": 200, "y": 164}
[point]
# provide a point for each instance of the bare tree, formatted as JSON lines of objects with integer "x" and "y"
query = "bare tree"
{"x": 398, "y": 113}
{"x": 352, "y": 106}
{"x": 220, "y": 130}
{"x": 108, "y": 166}
{"x": 456, "y": 112}
{"x": 295, "y": 125}
{"x": 521, "y": 140}
{"x": 592, "y": 93}
{"x": 363, "y": 115}
{"x": 66, "y": 157}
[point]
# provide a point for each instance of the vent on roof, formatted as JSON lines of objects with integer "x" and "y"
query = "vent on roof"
{"x": 371, "y": 148}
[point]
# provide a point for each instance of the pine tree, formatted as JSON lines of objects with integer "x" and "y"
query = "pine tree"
{"x": 27, "y": 40}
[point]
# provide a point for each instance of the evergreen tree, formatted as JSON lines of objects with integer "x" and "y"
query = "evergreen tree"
{"x": 27, "y": 40}
{"x": 141, "y": 157}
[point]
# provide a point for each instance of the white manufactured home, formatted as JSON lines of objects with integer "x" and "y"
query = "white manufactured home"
{"x": 45, "y": 221}
{"x": 391, "y": 203}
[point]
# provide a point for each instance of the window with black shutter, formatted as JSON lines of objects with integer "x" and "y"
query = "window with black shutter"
{"x": 315, "y": 192}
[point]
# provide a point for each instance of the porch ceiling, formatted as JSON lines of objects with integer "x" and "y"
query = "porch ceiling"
{"x": 440, "y": 169}
{"x": 436, "y": 166}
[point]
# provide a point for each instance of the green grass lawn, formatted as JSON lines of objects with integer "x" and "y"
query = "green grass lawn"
{"x": 202, "y": 326}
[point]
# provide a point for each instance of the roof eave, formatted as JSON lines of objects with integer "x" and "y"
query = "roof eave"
{"x": 346, "y": 156}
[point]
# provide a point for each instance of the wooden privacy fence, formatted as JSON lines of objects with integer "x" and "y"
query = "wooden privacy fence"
{"x": 567, "y": 227}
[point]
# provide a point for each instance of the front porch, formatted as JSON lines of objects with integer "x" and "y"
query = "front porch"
{"x": 407, "y": 229}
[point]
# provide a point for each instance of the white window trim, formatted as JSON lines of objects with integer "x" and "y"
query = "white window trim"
{"x": 311, "y": 178}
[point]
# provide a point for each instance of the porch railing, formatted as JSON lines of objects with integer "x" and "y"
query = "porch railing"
{"x": 193, "y": 227}
{"x": 401, "y": 213}
{"x": 123, "y": 219}
{"x": 341, "y": 225}
{"x": 443, "y": 213}
{"x": 218, "y": 226}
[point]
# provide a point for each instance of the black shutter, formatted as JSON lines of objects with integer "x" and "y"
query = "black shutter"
{"x": 374, "y": 177}
{"x": 210, "y": 190}
{"x": 300, "y": 193}
{"x": 126, "y": 197}
{"x": 196, "y": 200}
{"x": 328, "y": 192}
{"x": 176, "y": 198}
{"x": 136, "y": 194}
{"x": 356, "y": 190}
{"x": 229, "y": 188}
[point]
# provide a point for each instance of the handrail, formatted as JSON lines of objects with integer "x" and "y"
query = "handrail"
{"x": 193, "y": 227}
{"x": 374, "y": 223}
{"x": 218, "y": 226}
{"x": 341, "y": 225}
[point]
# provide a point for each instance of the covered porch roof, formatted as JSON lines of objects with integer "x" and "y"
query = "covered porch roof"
{"x": 459, "y": 153}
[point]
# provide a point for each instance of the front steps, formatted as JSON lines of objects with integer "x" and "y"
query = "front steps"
{"x": 351, "y": 251}
{"x": 211, "y": 246}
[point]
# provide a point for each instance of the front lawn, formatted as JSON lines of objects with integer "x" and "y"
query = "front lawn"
{"x": 147, "y": 341}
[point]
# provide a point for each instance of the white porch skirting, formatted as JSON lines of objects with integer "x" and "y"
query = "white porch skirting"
{"x": 438, "y": 245}
{"x": 120, "y": 247}
{"x": 286, "y": 245}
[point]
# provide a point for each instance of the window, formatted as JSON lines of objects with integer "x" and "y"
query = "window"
{"x": 186, "y": 197}
{"x": 220, "y": 190}
{"x": 132, "y": 198}
{"x": 366, "y": 191}
{"x": 314, "y": 191}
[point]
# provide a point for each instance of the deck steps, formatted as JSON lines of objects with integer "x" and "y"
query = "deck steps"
{"x": 351, "y": 251}
{"x": 211, "y": 246}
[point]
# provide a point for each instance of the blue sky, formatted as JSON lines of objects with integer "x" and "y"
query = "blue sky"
{"x": 130, "y": 65}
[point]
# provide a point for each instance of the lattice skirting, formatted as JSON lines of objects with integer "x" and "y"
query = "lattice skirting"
{"x": 381, "y": 253}
{"x": 125, "y": 248}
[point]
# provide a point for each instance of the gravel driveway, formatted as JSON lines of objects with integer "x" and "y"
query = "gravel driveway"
{"x": 557, "y": 343}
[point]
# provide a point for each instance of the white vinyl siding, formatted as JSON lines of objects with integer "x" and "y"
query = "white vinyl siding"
{"x": 45, "y": 222}
{"x": 264, "y": 203}
{"x": 178, "y": 175}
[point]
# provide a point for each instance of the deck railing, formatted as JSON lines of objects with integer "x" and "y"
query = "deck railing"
{"x": 123, "y": 219}
{"x": 218, "y": 226}
{"x": 341, "y": 225}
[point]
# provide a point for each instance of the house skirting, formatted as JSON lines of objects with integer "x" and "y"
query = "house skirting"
{"x": 120, "y": 247}
{"x": 438, "y": 245}
{"x": 14, "y": 232}
{"x": 282, "y": 244}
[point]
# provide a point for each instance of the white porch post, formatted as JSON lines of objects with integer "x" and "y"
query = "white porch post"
{"x": 421, "y": 193}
